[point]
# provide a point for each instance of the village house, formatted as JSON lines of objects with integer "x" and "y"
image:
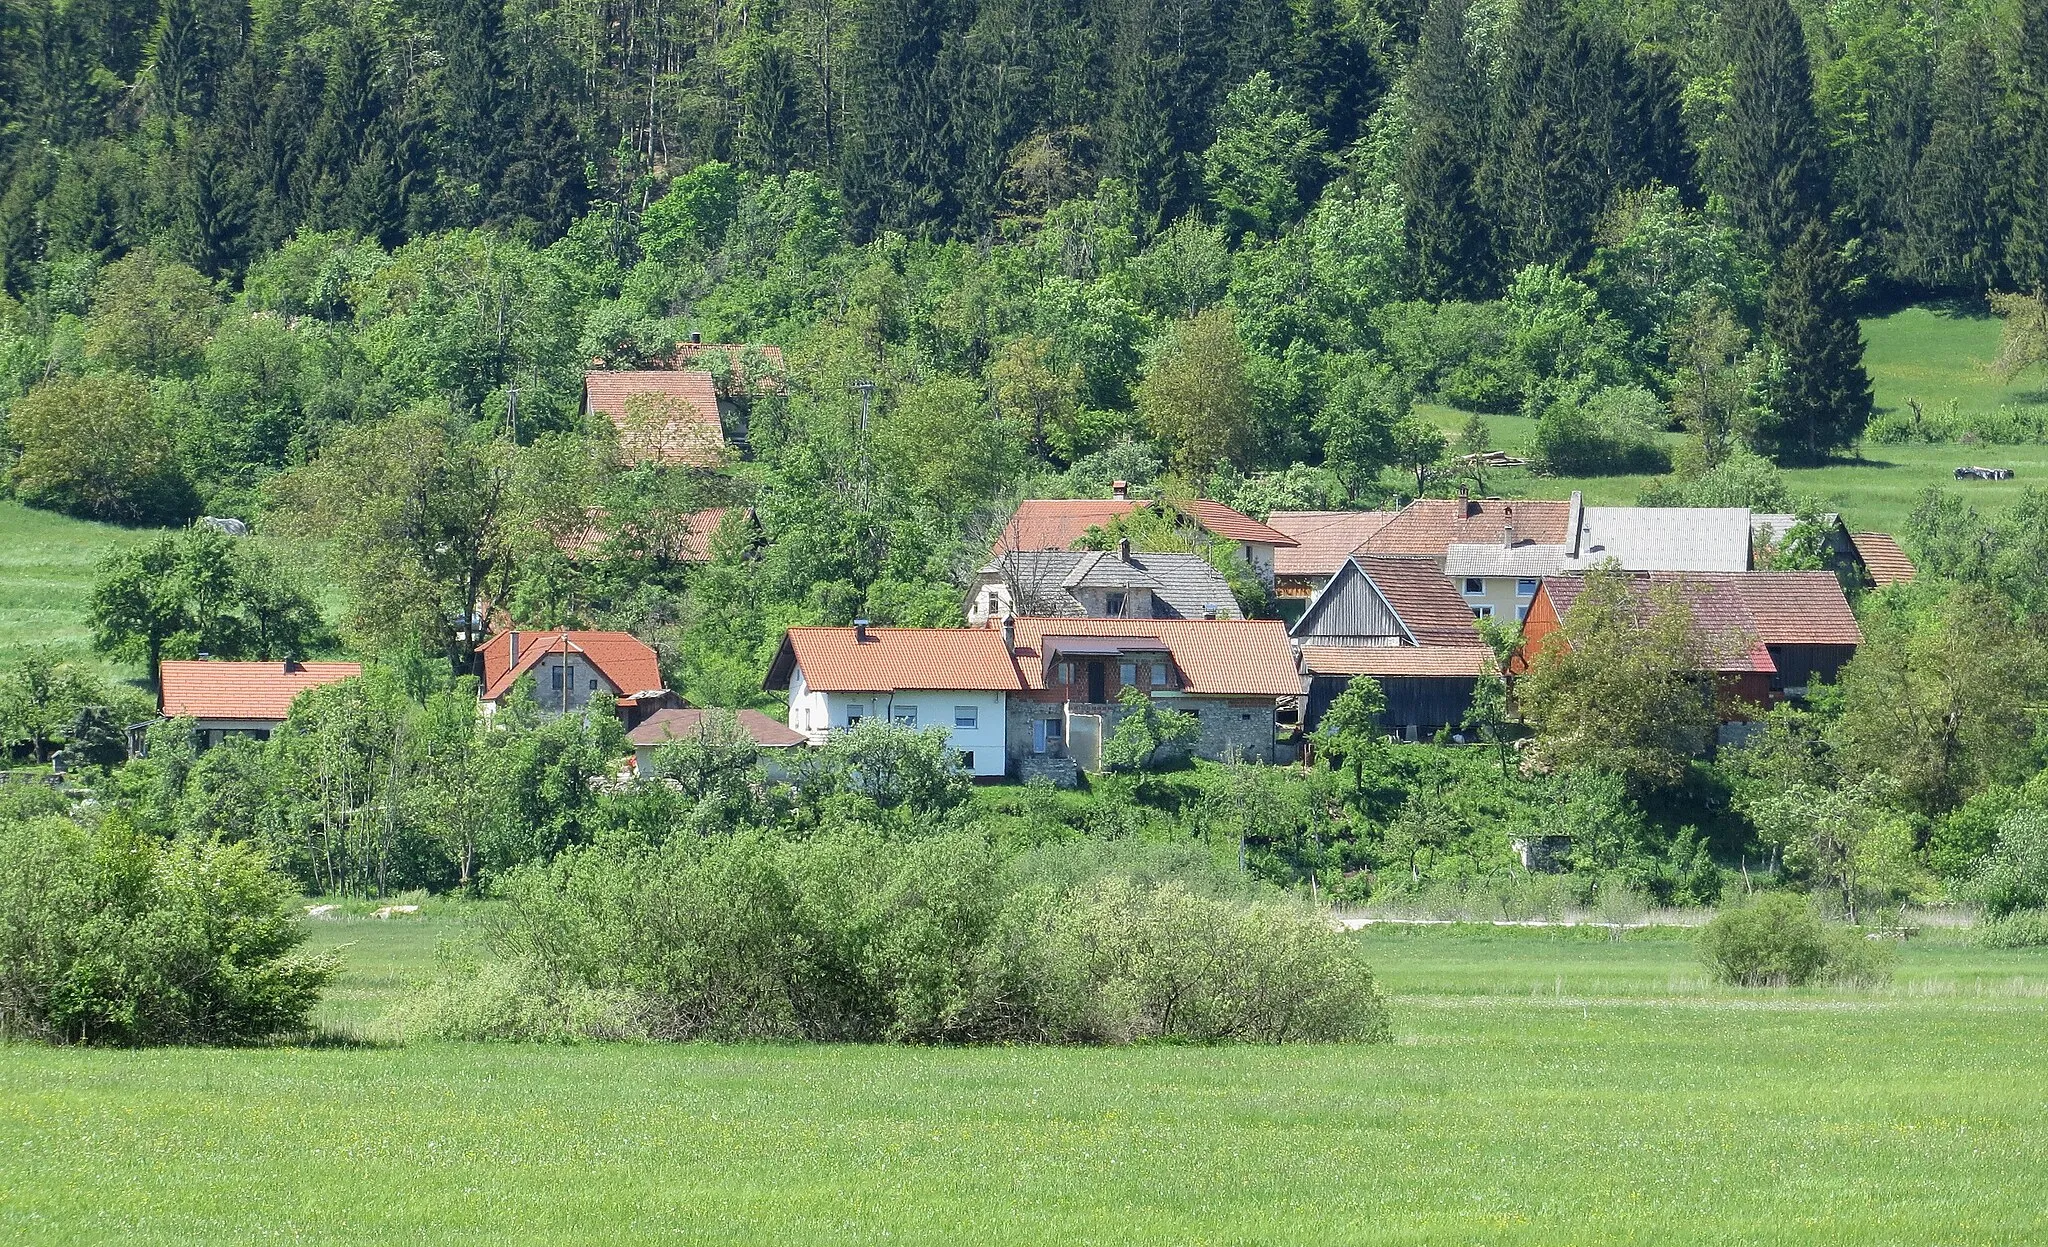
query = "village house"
{"x": 239, "y": 698}
{"x": 1061, "y": 523}
{"x": 688, "y": 409}
{"x": 1038, "y": 697}
{"x": 1769, "y": 635}
{"x": 690, "y": 723}
{"x": 959, "y": 679}
{"x": 1323, "y": 542}
{"x": 569, "y": 667}
{"x": 1398, "y": 619}
{"x": 1114, "y": 584}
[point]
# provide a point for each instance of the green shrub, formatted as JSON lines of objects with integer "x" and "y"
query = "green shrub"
{"x": 109, "y": 936}
{"x": 2014, "y": 876}
{"x": 854, "y": 936}
{"x": 2025, "y": 929}
{"x": 1778, "y": 941}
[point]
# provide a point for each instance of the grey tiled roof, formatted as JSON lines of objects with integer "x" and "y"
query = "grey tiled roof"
{"x": 1183, "y": 586}
{"x": 1663, "y": 539}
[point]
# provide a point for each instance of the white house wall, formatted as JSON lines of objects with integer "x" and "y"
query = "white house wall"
{"x": 817, "y": 715}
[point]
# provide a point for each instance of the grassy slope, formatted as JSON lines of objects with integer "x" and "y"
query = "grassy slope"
{"x": 46, "y": 570}
{"x": 1544, "y": 1090}
{"x": 1921, "y": 353}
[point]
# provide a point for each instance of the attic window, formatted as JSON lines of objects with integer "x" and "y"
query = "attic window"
{"x": 1113, "y": 604}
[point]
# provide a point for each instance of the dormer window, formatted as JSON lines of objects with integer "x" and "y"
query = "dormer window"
{"x": 1113, "y": 603}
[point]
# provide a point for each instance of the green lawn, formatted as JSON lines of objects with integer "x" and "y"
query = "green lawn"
{"x": 46, "y": 569}
{"x": 1936, "y": 354}
{"x": 1544, "y": 1089}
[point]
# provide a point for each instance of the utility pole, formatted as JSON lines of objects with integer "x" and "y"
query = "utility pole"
{"x": 512, "y": 413}
{"x": 865, "y": 388}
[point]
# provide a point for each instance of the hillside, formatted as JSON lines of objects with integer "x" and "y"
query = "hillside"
{"x": 46, "y": 573}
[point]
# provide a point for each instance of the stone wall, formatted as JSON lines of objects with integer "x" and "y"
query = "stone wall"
{"x": 1240, "y": 728}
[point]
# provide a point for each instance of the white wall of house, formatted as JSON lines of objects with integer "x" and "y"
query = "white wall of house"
{"x": 975, "y": 721}
{"x": 1260, "y": 557}
{"x": 1506, "y": 598}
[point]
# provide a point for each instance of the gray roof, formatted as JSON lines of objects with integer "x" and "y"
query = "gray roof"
{"x": 1779, "y": 524}
{"x": 1493, "y": 559}
{"x": 1663, "y": 539}
{"x": 1183, "y": 586}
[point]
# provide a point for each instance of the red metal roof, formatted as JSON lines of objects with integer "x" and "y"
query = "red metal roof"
{"x": 1883, "y": 558}
{"x": 1398, "y": 660}
{"x": 207, "y": 689}
{"x": 620, "y": 657}
{"x": 1432, "y": 525}
{"x": 1234, "y": 525}
{"x": 1423, "y": 597}
{"x": 688, "y": 721}
{"x": 1322, "y": 539}
{"x": 666, "y": 416}
{"x": 833, "y": 661}
{"x": 1228, "y": 657}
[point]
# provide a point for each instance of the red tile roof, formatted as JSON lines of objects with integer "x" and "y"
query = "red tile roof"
{"x": 688, "y": 721}
{"x": 622, "y": 658}
{"x": 894, "y": 658}
{"x": 1234, "y": 525}
{"x": 1397, "y": 660}
{"x": 205, "y": 689}
{"x": 1226, "y": 657}
{"x": 1882, "y": 557}
{"x": 1057, "y": 523}
{"x": 1322, "y": 539}
{"x": 691, "y": 354}
{"x": 1763, "y": 608}
{"x": 669, "y": 417}
{"x": 1423, "y": 597}
{"x": 1432, "y": 525}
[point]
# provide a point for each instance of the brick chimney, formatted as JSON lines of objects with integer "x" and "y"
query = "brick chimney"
{"x": 512, "y": 648}
{"x": 1010, "y": 634}
{"x": 860, "y": 631}
{"x": 1120, "y": 490}
{"x": 1507, "y": 528}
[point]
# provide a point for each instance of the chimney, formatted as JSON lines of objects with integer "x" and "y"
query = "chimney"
{"x": 1010, "y": 634}
{"x": 696, "y": 339}
{"x": 203, "y": 655}
{"x": 1208, "y": 610}
{"x": 1123, "y": 549}
{"x": 1120, "y": 490}
{"x": 1507, "y": 528}
{"x": 293, "y": 664}
{"x": 860, "y": 631}
{"x": 512, "y": 648}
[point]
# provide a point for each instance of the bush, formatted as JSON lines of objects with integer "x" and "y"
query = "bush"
{"x": 852, "y": 936}
{"x": 1778, "y": 941}
{"x": 2014, "y": 876}
{"x": 1611, "y": 433}
{"x": 109, "y": 936}
{"x": 2026, "y": 929}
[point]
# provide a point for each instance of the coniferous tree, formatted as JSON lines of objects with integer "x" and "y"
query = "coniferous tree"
{"x": 1449, "y": 241}
{"x": 473, "y": 104}
{"x": 1956, "y": 219}
{"x": 1550, "y": 151}
{"x": 1649, "y": 132}
{"x": 1331, "y": 71}
{"x": 1770, "y": 161}
{"x": 545, "y": 178}
{"x": 216, "y": 203}
{"x": 284, "y": 156}
{"x": 1819, "y": 391}
{"x": 2027, "y": 246}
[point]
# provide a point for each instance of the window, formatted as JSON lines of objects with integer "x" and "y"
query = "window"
{"x": 1482, "y": 612}
{"x": 966, "y": 716}
{"x": 1158, "y": 675}
{"x": 1113, "y": 604}
{"x": 1066, "y": 673}
{"x": 1474, "y": 584}
{"x": 557, "y": 673}
{"x": 1522, "y": 612}
{"x": 907, "y": 715}
{"x": 1525, "y": 587}
{"x": 855, "y": 713}
{"x": 992, "y": 601}
{"x": 1128, "y": 673}
{"x": 967, "y": 759}
{"x": 593, "y": 686}
{"x": 1053, "y": 729}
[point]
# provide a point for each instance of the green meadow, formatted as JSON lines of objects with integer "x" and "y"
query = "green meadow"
{"x": 1545, "y": 1087}
{"x": 46, "y": 571}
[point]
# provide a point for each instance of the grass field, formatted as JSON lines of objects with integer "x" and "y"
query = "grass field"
{"x": 1544, "y": 1089}
{"x": 46, "y": 570}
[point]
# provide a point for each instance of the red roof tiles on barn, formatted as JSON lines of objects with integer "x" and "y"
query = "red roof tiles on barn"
{"x": 1398, "y": 660}
{"x": 1432, "y": 525}
{"x": 663, "y": 416}
{"x": 1322, "y": 539}
{"x": 688, "y": 723}
{"x": 1883, "y": 558}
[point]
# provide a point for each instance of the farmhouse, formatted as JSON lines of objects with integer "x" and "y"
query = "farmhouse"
{"x": 1114, "y": 584}
{"x": 1038, "y": 696}
{"x": 1770, "y": 635}
{"x": 1401, "y": 621}
{"x": 1323, "y": 541}
{"x": 690, "y": 723}
{"x": 570, "y": 667}
{"x": 670, "y": 418}
{"x": 240, "y": 698}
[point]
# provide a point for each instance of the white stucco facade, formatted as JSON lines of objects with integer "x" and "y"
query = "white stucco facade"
{"x": 974, "y": 720}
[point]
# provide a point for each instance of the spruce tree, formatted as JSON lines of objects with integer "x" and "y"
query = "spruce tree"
{"x": 475, "y": 125}
{"x": 1449, "y": 239}
{"x": 544, "y": 179}
{"x": 1819, "y": 392}
{"x": 1551, "y": 151}
{"x": 1955, "y": 222}
{"x": 1331, "y": 71}
{"x": 2026, "y": 253}
{"x": 1770, "y": 160}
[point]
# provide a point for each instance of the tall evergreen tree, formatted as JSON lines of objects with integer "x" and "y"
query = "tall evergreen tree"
{"x": 2026, "y": 253}
{"x": 1449, "y": 241}
{"x": 1770, "y": 161}
{"x": 1956, "y": 219}
{"x": 1330, "y": 69}
{"x": 476, "y": 125}
{"x": 545, "y": 179}
{"x": 1550, "y": 152}
{"x": 1819, "y": 391}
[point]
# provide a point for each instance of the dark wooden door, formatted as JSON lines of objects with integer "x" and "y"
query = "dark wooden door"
{"x": 1096, "y": 690}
